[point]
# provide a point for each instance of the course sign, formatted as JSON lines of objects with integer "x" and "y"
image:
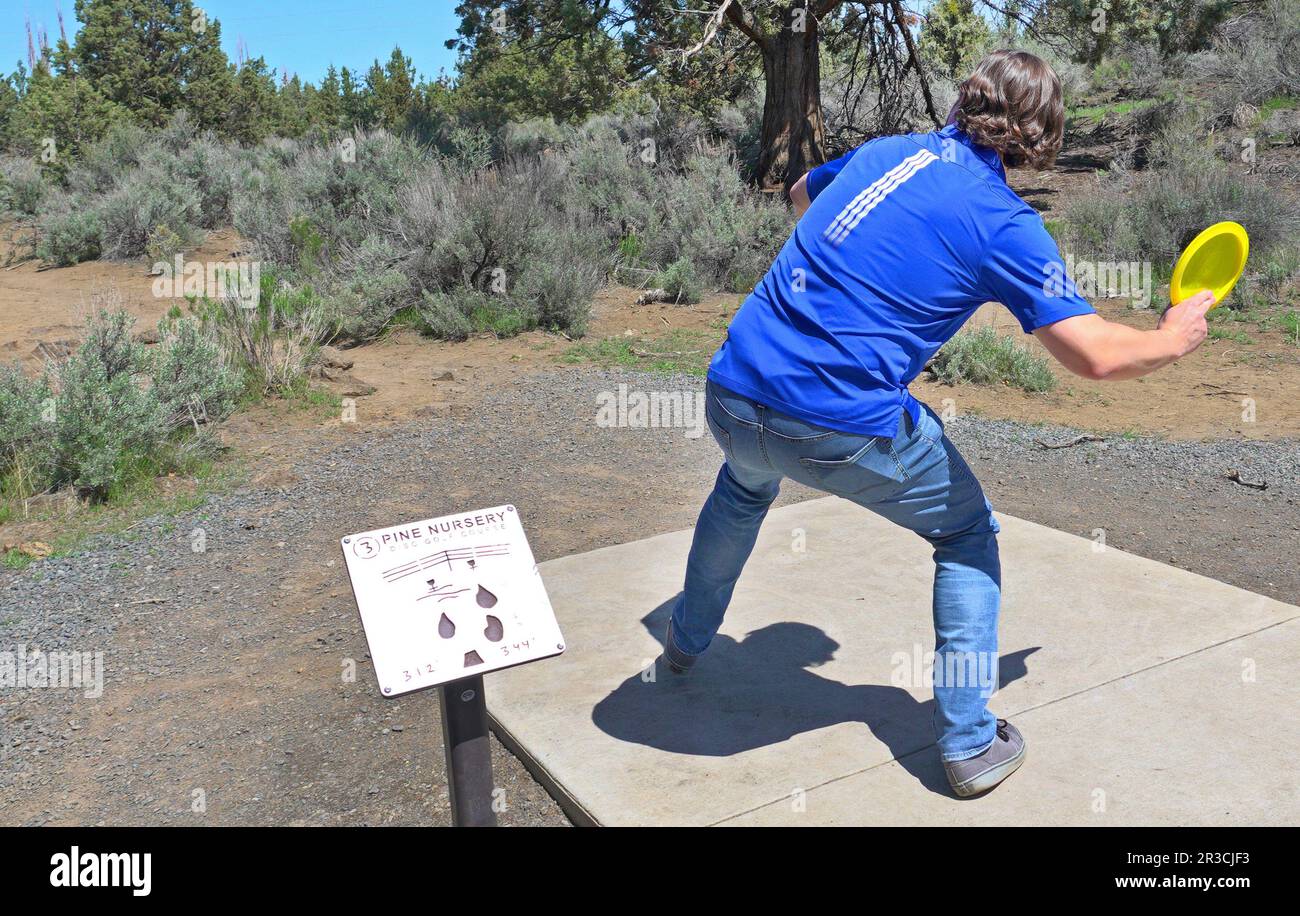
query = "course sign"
{"x": 449, "y": 598}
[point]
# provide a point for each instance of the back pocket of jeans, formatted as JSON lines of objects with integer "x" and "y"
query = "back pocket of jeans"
{"x": 720, "y": 434}
{"x": 866, "y": 466}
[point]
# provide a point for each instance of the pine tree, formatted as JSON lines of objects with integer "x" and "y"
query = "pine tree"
{"x": 324, "y": 105}
{"x": 255, "y": 114}
{"x": 394, "y": 91}
{"x": 210, "y": 80}
{"x": 356, "y": 108}
{"x": 293, "y": 120}
{"x": 58, "y": 116}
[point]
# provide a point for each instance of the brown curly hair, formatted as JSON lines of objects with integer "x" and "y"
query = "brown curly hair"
{"x": 1012, "y": 103}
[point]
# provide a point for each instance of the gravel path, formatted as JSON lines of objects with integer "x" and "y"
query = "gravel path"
{"x": 225, "y": 700}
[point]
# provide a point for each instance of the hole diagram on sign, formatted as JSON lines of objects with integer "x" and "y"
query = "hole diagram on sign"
{"x": 444, "y": 590}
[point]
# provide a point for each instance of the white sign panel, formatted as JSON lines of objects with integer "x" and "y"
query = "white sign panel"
{"x": 449, "y": 598}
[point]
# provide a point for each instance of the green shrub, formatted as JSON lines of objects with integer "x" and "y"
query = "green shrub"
{"x": 556, "y": 290}
{"x": 145, "y": 199}
{"x": 562, "y": 292}
{"x": 1291, "y": 327}
{"x": 532, "y": 137}
{"x": 455, "y": 313}
{"x": 1190, "y": 189}
{"x": 500, "y": 316}
{"x": 506, "y": 217}
{"x": 497, "y": 251}
{"x": 985, "y": 357}
{"x": 310, "y": 207}
{"x": 347, "y": 199}
{"x": 679, "y": 282}
{"x": 676, "y": 130}
{"x": 471, "y": 148}
{"x": 104, "y": 162}
{"x": 364, "y": 303}
{"x": 107, "y": 422}
{"x": 1257, "y": 58}
{"x": 22, "y": 189}
{"x": 114, "y": 412}
{"x": 262, "y": 209}
{"x": 367, "y": 290}
{"x": 1111, "y": 71}
{"x": 198, "y": 172}
{"x": 446, "y": 313}
{"x": 1135, "y": 68}
{"x": 655, "y": 211}
{"x": 378, "y": 224}
{"x": 629, "y": 249}
{"x": 1280, "y": 268}
{"x": 22, "y": 401}
{"x": 162, "y": 245}
{"x": 1152, "y": 215}
{"x": 192, "y": 378}
{"x": 70, "y": 236}
{"x": 274, "y": 343}
{"x": 708, "y": 216}
{"x": 213, "y": 170}
{"x": 307, "y": 242}
{"x": 26, "y": 433}
{"x": 611, "y": 185}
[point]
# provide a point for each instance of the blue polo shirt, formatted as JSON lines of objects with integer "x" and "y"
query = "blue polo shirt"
{"x": 905, "y": 238}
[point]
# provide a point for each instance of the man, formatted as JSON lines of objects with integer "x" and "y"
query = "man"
{"x": 898, "y": 243}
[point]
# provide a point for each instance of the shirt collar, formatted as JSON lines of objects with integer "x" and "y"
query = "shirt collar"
{"x": 985, "y": 154}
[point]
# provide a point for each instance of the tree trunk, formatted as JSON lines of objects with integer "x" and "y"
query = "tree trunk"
{"x": 793, "y": 133}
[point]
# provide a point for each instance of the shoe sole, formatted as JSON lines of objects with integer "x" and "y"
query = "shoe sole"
{"x": 991, "y": 777}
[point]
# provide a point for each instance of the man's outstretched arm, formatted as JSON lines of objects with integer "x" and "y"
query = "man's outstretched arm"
{"x": 1091, "y": 346}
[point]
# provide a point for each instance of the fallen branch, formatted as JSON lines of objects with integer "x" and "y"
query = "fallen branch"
{"x": 149, "y": 601}
{"x": 1220, "y": 389}
{"x": 1077, "y": 440}
{"x": 650, "y": 354}
{"x": 1235, "y": 476}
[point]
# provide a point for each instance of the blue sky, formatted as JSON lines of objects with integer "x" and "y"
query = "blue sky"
{"x": 292, "y": 35}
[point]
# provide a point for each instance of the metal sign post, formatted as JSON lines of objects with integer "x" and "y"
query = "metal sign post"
{"x": 443, "y": 601}
{"x": 469, "y": 753}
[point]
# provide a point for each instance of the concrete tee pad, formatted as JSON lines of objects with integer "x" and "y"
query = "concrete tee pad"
{"x": 1147, "y": 694}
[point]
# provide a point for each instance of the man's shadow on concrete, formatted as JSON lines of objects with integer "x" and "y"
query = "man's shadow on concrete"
{"x": 755, "y": 692}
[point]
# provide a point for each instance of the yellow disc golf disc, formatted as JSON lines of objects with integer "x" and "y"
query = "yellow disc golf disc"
{"x": 1214, "y": 260}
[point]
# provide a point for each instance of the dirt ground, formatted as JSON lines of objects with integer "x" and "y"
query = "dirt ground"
{"x": 42, "y": 309}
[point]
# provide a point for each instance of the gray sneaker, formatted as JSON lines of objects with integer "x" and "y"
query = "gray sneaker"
{"x": 678, "y": 661}
{"x": 979, "y": 774}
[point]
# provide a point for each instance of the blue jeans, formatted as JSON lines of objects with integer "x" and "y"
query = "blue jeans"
{"x": 917, "y": 480}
